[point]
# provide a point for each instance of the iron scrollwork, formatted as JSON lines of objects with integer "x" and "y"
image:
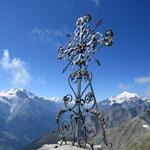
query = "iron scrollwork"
{"x": 81, "y": 121}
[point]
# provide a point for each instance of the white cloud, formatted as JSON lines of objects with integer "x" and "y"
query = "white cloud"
{"x": 17, "y": 68}
{"x": 142, "y": 80}
{"x": 48, "y": 35}
{"x": 67, "y": 3}
{"x": 124, "y": 87}
{"x": 42, "y": 82}
{"x": 147, "y": 91}
{"x": 96, "y": 2}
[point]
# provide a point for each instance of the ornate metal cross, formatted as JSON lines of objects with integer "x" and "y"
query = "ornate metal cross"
{"x": 81, "y": 121}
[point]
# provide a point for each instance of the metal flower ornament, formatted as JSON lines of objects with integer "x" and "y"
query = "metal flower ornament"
{"x": 81, "y": 120}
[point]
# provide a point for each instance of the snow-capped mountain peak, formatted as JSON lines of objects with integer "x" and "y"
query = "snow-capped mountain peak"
{"x": 13, "y": 92}
{"x": 124, "y": 96}
{"x": 13, "y": 96}
{"x": 54, "y": 99}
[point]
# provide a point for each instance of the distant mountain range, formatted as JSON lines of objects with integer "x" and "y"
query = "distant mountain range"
{"x": 121, "y": 108}
{"x": 25, "y": 117}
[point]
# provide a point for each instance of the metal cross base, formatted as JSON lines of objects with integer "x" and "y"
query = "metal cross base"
{"x": 81, "y": 121}
{"x": 68, "y": 146}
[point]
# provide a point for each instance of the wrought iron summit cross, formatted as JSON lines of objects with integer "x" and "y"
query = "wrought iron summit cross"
{"x": 81, "y": 121}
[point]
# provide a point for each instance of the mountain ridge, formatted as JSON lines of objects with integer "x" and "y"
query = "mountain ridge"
{"x": 120, "y": 98}
{"x": 124, "y": 96}
{"x": 25, "y": 117}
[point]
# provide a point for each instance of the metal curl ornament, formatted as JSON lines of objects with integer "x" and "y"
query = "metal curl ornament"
{"x": 83, "y": 121}
{"x": 88, "y": 103}
{"x": 80, "y": 48}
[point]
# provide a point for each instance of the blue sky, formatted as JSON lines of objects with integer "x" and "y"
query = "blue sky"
{"x": 32, "y": 30}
